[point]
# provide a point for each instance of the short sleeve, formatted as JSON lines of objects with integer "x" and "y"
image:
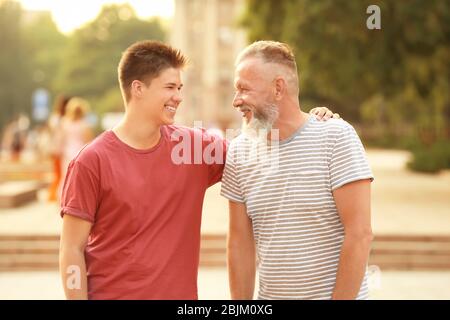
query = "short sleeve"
{"x": 80, "y": 192}
{"x": 231, "y": 188}
{"x": 348, "y": 162}
{"x": 214, "y": 155}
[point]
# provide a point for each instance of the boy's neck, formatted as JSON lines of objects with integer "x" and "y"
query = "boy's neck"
{"x": 137, "y": 134}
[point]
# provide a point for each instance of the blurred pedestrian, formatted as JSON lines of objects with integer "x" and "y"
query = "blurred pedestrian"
{"x": 76, "y": 131}
{"x": 15, "y": 136}
{"x": 56, "y": 143}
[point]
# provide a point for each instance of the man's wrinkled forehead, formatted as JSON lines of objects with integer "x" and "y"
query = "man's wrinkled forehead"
{"x": 249, "y": 68}
{"x": 249, "y": 64}
{"x": 253, "y": 69}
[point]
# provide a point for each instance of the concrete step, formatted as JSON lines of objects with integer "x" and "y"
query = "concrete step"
{"x": 22, "y": 262}
{"x": 31, "y": 237}
{"x": 41, "y": 252}
{"x": 404, "y": 247}
{"x": 412, "y": 238}
{"x": 410, "y": 262}
{"x": 403, "y": 252}
{"x": 391, "y": 252}
{"x": 213, "y": 251}
{"x": 16, "y": 193}
{"x": 19, "y": 171}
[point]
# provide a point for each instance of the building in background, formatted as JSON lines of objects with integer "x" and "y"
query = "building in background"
{"x": 206, "y": 31}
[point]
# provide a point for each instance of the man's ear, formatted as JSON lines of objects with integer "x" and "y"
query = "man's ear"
{"x": 280, "y": 88}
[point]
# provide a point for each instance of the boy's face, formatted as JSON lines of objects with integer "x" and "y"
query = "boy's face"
{"x": 162, "y": 97}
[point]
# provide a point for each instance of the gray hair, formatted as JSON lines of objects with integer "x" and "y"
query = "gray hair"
{"x": 273, "y": 52}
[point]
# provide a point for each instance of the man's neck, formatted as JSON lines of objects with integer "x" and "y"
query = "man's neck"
{"x": 137, "y": 133}
{"x": 290, "y": 119}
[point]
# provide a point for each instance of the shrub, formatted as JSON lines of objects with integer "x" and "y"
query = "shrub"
{"x": 431, "y": 159}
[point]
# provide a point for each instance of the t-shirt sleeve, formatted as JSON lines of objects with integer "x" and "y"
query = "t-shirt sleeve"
{"x": 80, "y": 192}
{"x": 231, "y": 188}
{"x": 215, "y": 152}
{"x": 348, "y": 161}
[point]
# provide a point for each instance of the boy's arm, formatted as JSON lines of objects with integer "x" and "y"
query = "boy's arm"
{"x": 72, "y": 265}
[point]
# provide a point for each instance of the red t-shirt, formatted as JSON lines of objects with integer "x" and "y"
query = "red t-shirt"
{"x": 146, "y": 214}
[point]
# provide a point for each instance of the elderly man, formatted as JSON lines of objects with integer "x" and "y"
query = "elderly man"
{"x": 300, "y": 210}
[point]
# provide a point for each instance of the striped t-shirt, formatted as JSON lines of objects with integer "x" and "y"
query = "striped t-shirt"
{"x": 288, "y": 194}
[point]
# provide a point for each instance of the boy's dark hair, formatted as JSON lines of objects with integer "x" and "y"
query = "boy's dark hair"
{"x": 144, "y": 61}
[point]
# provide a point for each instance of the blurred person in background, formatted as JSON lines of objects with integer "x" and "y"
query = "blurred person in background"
{"x": 75, "y": 131}
{"x": 15, "y": 136}
{"x": 55, "y": 147}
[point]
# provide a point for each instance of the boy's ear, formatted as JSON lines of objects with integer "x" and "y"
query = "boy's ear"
{"x": 136, "y": 88}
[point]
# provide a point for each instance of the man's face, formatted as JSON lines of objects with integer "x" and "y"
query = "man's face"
{"x": 162, "y": 97}
{"x": 254, "y": 95}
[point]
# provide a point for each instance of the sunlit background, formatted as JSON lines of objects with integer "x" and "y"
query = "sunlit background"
{"x": 391, "y": 84}
{"x": 70, "y": 15}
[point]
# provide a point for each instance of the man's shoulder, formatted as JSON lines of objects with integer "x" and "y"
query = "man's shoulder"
{"x": 331, "y": 129}
{"x": 330, "y": 125}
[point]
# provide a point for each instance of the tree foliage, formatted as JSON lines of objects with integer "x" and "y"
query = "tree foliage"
{"x": 15, "y": 67}
{"x": 35, "y": 54}
{"x": 89, "y": 65}
{"x": 393, "y": 78}
{"x": 44, "y": 45}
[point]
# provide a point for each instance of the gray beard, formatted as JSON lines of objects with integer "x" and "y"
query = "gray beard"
{"x": 261, "y": 122}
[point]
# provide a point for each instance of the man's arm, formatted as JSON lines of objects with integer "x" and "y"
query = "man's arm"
{"x": 353, "y": 204}
{"x": 72, "y": 265}
{"x": 241, "y": 253}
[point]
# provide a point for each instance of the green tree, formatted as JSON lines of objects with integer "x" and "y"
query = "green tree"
{"x": 15, "y": 67}
{"x": 90, "y": 61}
{"x": 343, "y": 62}
{"x": 394, "y": 80}
{"x": 45, "y": 44}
